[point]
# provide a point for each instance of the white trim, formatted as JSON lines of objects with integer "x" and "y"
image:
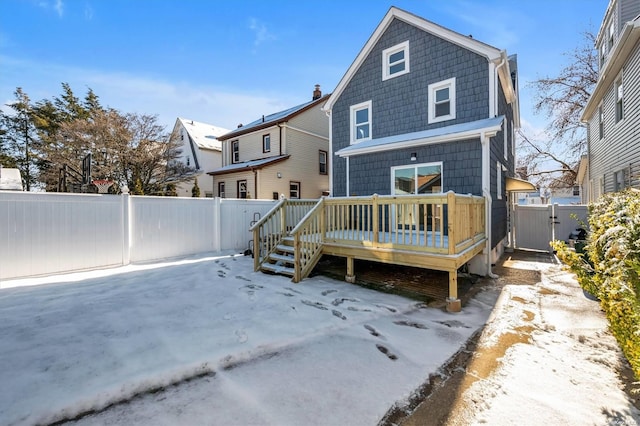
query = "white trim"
{"x": 489, "y": 52}
{"x": 297, "y": 129}
{"x": 505, "y": 128}
{"x": 348, "y": 179}
{"x": 330, "y": 151}
{"x": 499, "y": 180}
{"x": 353, "y": 109}
{"x": 432, "y": 89}
{"x": 386, "y": 65}
{"x": 493, "y": 75}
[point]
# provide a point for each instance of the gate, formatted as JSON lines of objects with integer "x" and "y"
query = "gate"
{"x": 537, "y": 225}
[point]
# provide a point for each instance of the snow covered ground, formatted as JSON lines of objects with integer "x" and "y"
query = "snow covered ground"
{"x": 208, "y": 341}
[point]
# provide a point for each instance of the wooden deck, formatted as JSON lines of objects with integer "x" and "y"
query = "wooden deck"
{"x": 435, "y": 231}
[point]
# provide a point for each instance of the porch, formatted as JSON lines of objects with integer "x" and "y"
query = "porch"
{"x": 432, "y": 231}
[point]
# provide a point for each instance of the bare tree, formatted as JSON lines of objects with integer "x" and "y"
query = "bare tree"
{"x": 554, "y": 155}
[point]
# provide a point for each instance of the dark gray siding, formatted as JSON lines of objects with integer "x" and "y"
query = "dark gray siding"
{"x": 461, "y": 168}
{"x": 400, "y": 105}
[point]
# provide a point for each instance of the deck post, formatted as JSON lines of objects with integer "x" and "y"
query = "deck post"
{"x": 256, "y": 248}
{"x": 375, "y": 222}
{"x": 451, "y": 217}
{"x": 297, "y": 268}
{"x": 350, "y": 277}
{"x": 453, "y": 303}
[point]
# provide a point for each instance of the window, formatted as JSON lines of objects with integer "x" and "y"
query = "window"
{"x": 576, "y": 190}
{"x": 275, "y": 195}
{"x": 505, "y": 127}
{"x": 235, "y": 152}
{"x": 266, "y": 143}
{"x": 499, "y": 180}
{"x": 361, "y": 122}
{"x": 602, "y": 54}
{"x": 611, "y": 36}
{"x": 619, "y": 101}
{"x": 208, "y": 194}
{"x": 620, "y": 181}
{"x": 323, "y": 162}
{"x": 221, "y": 190}
{"x": 242, "y": 189}
{"x": 294, "y": 190}
{"x": 395, "y": 61}
{"x": 442, "y": 101}
{"x": 419, "y": 179}
{"x": 600, "y": 122}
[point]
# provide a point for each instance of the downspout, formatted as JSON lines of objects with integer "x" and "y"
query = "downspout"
{"x": 280, "y": 138}
{"x": 486, "y": 192}
{"x": 494, "y": 107}
{"x": 330, "y": 156}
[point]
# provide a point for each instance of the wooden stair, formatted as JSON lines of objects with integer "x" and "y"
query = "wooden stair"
{"x": 281, "y": 261}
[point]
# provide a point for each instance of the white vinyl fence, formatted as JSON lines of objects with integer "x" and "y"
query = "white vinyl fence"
{"x": 49, "y": 233}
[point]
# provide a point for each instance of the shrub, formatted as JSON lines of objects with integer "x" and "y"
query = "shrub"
{"x": 610, "y": 268}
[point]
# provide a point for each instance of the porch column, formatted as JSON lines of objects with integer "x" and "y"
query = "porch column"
{"x": 453, "y": 303}
{"x": 350, "y": 277}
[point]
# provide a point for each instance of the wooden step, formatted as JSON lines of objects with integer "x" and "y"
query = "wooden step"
{"x": 285, "y": 249}
{"x": 277, "y": 257}
{"x": 277, "y": 269}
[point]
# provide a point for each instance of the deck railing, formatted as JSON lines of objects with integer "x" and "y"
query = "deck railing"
{"x": 275, "y": 225}
{"x": 442, "y": 224}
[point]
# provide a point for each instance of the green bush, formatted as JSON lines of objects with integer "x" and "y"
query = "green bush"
{"x": 610, "y": 268}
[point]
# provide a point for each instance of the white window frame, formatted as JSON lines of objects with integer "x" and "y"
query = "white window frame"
{"x": 498, "y": 180}
{"x": 221, "y": 190}
{"x": 415, "y": 168}
{"x": 600, "y": 122}
{"x": 505, "y": 134}
{"x": 235, "y": 151}
{"x": 433, "y": 88}
{"x": 294, "y": 194}
{"x": 353, "y": 127}
{"x": 611, "y": 38}
{"x": 266, "y": 143}
{"x": 323, "y": 155}
{"x": 619, "y": 99}
{"x": 386, "y": 58}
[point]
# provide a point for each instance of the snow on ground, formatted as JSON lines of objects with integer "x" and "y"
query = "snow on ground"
{"x": 207, "y": 340}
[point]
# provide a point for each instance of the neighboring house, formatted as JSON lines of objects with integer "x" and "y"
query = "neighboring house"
{"x": 424, "y": 109}
{"x": 612, "y": 113}
{"x": 284, "y": 154}
{"x": 201, "y": 150}
{"x": 10, "y": 179}
{"x": 556, "y": 195}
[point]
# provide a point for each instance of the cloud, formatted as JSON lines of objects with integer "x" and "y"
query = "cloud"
{"x": 59, "y": 7}
{"x": 221, "y": 106}
{"x": 88, "y": 12}
{"x": 56, "y": 5}
{"x": 262, "y": 34}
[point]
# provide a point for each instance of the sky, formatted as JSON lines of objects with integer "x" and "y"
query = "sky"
{"x": 206, "y": 340}
{"x": 226, "y": 63}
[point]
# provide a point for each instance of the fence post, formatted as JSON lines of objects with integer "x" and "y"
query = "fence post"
{"x": 217, "y": 223}
{"x": 126, "y": 226}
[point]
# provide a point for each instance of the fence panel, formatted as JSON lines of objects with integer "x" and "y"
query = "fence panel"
{"x": 568, "y": 218}
{"x": 236, "y": 217}
{"x": 44, "y": 233}
{"x": 163, "y": 227}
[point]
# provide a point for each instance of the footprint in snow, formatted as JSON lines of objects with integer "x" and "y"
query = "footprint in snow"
{"x": 373, "y": 331}
{"x": 242, "y": 336}
{"x": 251, "y": 286}
{"x": 221, "y": 273}
{"x": 453, "y": 324}
{"x": 354, "y": 309}
{"x": 385, "y": 351}
{"x": 292, "y": 290}
{"x": 316, "y": 305}
{"x": 412, "y": 324}
{"x": 388, "y": 308}
{"x": 338, "y": 314}
{"x": 240, "y": 277}
{"x": 324, "y": 293}
{"x": 286, "y": 294}
{"x": 341, "y": 300}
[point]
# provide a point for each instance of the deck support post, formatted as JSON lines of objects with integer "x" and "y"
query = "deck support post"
{"x": 453, "y": 303}
{"x": 350, "y": 277}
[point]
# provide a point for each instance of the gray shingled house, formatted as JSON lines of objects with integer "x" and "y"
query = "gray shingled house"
{"x": 422, "y": 129}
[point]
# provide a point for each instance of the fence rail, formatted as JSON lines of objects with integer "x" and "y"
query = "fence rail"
{"x": 49, "y": 233}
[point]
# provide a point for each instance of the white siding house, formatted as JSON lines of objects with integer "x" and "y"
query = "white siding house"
{"x": 201, "y": 150}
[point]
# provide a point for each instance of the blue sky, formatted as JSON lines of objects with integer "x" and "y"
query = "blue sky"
{"x": 228, "y": 62}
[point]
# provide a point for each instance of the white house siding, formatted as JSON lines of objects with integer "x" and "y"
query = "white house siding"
{"x": 231, "y": 183}
{"x": 620, "y": 147}
{"x": 305, "y": 149}
{"x": 250, "y": 145}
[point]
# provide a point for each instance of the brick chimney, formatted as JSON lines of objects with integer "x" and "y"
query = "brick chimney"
{"x": 317, "y": 94}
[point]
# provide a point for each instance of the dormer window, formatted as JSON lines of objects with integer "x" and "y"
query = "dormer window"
{"x": 442, "y": 101}
{"x": 395, "y": 61}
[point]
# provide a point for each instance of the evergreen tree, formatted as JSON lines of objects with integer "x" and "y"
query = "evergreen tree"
{"x": 171, "y": 190}
{"x": 195, "y": 191}
{"x": 137, "y": 187}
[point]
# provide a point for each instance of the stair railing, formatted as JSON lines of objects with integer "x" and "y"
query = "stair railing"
{"x": 308, "y": 236}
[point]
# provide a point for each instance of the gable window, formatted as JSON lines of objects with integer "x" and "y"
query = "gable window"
{"x": 361, "y": 122}
{"x": 242, "y": 189}
{"x": 221, "y": 193}
{"x": 395, "y": 61}
{"x": 266, "y": 143}
{"x": 619, "y": 101}
{"x": 294, "y": 190}
{"x": 442, "y": 100}
{"x": 600, "y": 122}
{"x": 235, "y": 151}
{"x": 323, "y": 162}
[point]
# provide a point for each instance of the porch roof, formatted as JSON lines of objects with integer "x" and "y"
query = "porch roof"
{"x": 248, "y": 165}
{"x": 473, "y": 129}
{"x": 519, "y": 185}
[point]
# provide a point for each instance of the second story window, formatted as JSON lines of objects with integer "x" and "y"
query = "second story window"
{"x": 611, "y": 36}
{"x": 395, "y": 61}
{"x": 323, "y": 162}
{"x": 361, "y": 122}
{"x": 619, "y": 101}
{"x": 442, "y": 100}
{"x": 235, "y": 152}
{"x": 600, "y": 122}
{"x": 266, "y": 143}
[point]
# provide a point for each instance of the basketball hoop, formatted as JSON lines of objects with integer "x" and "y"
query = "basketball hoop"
{"x": 102, "y": 185}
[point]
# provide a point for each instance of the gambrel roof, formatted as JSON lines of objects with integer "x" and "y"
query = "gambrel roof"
{"x": 492, "y": 54}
